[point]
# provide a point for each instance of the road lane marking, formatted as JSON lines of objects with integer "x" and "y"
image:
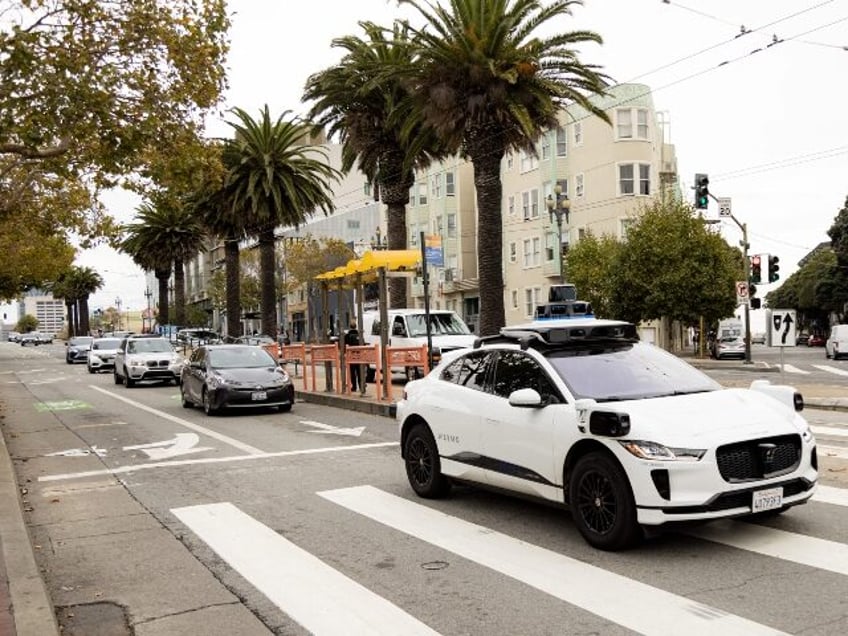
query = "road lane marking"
{"x": 780, "y": 544}
{"x": 791, "y": 369}
{"x": 120, "y": 470}
{"x": 831, "y": 495}
{"x": 319, "y": 598}
{"x": 830, "y": 430}
{"x": 830, "y": 369}
{"x": 583, "y": 585}
{"x": 178, "y": 420}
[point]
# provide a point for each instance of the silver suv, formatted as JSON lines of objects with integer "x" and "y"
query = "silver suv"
{"x": 143, "y": 358}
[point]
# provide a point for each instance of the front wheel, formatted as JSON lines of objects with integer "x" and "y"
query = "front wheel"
{"x": 602, "y": 503}
{"x": 208, "y": 408}
{"x": 128, "y": 380}
{"x": 118, "y": 379}
{"x": 423, "y": 466}
{"x": 187, "y": 403}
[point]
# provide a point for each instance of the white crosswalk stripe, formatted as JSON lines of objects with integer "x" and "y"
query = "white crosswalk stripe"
{"x": 789, "y": 368}
{"x": 829, "y": 431}
{"x": 573, "y": 581}
{"x": 831, "y": 495}
{"x": 831, "y": 369}
{"x": 321, "y": 599}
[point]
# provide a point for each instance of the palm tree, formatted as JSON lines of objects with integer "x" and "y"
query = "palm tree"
{"x": 356, "y": 102}
{"x": 487, "y": 82}
{"x": 276, "y": 179}
{"x": 170, "y": 233}
{"x": 86, "y": 281}
{"x": 63, "y": 288}
{"x": 210, "y": 203}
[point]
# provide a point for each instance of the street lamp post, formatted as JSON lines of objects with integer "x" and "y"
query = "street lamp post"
{"x": 118, "y": 306}
{"x": 148, "y": 294}
{"x": 379, "y": 242}
{"x": 559, "y": 205}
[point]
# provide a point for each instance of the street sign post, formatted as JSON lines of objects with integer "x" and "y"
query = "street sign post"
{"x": 782, "y": 327}
{"x": 741, "y": 292}
{"x": 724, "y": 206}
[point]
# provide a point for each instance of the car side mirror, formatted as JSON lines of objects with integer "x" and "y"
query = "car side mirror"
{"x": 526, "y": 398}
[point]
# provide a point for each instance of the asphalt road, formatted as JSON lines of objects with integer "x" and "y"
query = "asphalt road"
{"x": 157, "y": 519}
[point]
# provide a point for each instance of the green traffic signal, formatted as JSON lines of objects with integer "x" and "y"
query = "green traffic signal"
{"x": 702, "y": 191}
{"x": 773, "y": 269}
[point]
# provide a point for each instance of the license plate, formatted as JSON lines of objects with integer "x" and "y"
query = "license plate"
{"x": 767, "y": 499}
{"x": 258, "y": 395}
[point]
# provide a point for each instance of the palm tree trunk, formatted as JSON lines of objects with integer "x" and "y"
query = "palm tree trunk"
{"x": 162, "y": 276}
{"x": 69, "y": 306}
{"x": 233, "y": 275}
{"x": 179, "y": 293}
{"x": 75, "y": 317}
{"x": 268, "y": 285}
{"x": 85, "y": 328}
{"x": 486, "y": 151}
{"x": 395, "y": 195}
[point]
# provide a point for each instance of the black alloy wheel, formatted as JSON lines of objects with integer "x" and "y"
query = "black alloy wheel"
{"x": 186, "y": 401}
{"x": 423, "y": 466}
{"x": 602, "y": 504}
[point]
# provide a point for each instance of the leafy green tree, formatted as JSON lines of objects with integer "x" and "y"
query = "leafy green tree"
{"x": 310, "y": 257}
{"x": 359, "y": 101}
{"x": 33, "y": 254}
{"x": 591, "y": 265}
{"x": 672, "y": 266}
{"x": 277, "y": 179}
{"x": 26, "y": 324}
{"x": 486, "y": 80}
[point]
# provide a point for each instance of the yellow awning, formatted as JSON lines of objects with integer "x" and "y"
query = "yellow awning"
{"x": 392, "y": 260}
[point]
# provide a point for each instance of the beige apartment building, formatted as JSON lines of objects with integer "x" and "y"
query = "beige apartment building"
{"x": 606, "y": 172}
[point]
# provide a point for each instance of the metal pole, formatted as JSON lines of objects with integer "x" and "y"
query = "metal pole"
{"x": 426, "y": 282}
{"x": 559, "y": 238}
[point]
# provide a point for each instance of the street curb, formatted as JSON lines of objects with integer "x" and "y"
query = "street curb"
{"x": 360, "y": 405}
{"x": 32, "y": 610}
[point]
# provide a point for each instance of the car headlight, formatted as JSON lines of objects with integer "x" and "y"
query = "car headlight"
{"x": 282, "y": 376}
{"x": 654, "y": 451}
{"x": 93, "y": 357}
{"x": 216, "y": 381}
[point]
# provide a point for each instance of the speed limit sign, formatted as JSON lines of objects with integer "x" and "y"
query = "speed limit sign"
{"x": 724, "y": 206}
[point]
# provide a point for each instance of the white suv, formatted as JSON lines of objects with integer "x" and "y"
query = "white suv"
{"x": 142, "y": 358}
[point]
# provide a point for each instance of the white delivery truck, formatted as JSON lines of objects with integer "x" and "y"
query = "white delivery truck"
{"x": 408, "y": 328}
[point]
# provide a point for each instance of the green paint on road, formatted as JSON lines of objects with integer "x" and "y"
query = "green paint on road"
{"x": 64, "y": 405}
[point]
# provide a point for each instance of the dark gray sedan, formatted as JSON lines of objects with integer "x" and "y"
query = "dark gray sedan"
{"x": 220, "y": 377}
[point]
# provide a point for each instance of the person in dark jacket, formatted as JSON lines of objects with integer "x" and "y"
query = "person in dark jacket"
{"x": 351, "y": 339}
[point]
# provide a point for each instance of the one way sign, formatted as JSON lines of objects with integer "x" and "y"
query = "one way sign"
{"x": 783, "y": 328}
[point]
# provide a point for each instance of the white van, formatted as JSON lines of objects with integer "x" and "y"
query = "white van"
{"x": 408, "y": 328}
{"x": 837, "y": 343}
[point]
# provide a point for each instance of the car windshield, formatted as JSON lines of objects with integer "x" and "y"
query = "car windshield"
{"x": 627, "y": 371}
{"x": 440, "y": 325}
{"x": 154, "y": 345}
{"x": 82, "y": 340}
{"x": 246, "y": 358}
{"x": 106, "y": 343}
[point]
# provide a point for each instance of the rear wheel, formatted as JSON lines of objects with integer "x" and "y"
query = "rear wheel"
{"x": 128, "y": 380}
{"x": 602, "y": 504}
{"x": 423, "y": 466}
{"x": 90, "y": 370}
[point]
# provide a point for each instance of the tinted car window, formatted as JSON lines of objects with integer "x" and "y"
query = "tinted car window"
{"x": 247, "y": 358}
{"x": 470, "y": 370}
{"x": 516, "y": 370}
{"x": 632, "y": 371}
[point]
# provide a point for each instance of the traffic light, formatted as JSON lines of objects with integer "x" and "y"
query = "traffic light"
{"x": 756, "y": 303}
{"x": 702, "y": 191}
{"x": 756, "y": 269}
{"x": 773, "y": 268}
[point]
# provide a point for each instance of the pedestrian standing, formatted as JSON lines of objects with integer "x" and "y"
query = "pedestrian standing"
{"x": 351, "y": 339}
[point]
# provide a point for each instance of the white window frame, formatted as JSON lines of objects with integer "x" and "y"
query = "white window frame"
{"x": 531, "y": 300}
{"x": 450, "y": 184}
{"x": 578, "y": 133}
{"x": 624, "y": 226}
{"x": 513, "y": 252}
{"x": 532, "y": 252}
{"x": 527, "y": 252}
{"x": 561, "y": 142}
{"x": 527, "y": 162}
{"x": 514, "y": 295}
{"x": 510, "y": 205}
{"x": 632, "y": 124}
{"x": 525, "y": 205}
{"x": 579, "y": 186}
{"x": 640, "y": 184}
{"x": 545, "y": 146}
{"x": 451, "y": 224}
{"x": 436, "y": 185}
{"x": 422, "y": 193}
{"x": 534, "y": 203}
{"x": 551, "y": 240}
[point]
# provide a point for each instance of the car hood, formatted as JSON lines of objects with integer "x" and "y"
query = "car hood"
{"x": 450, "y": 342}
{"x": 260, "y": 375}
{"x": 704, "y": 419}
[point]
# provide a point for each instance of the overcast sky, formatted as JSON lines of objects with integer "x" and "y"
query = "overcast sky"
{"x": 767, "y": 123}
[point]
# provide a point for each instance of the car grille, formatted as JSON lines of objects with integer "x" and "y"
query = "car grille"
{"x": 759, "y": 459}
{"x": 154, "y": 364}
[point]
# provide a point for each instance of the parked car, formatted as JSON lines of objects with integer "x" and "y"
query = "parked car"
{"x": 581, "y": 413}
{"x": 802, "y": 339}
{"x": 45, "y": 338}
{"x": 77, "y": 349}
{"x": 816, "y": 340}
{"x": 728, "y": 347}
{"x": 144, "y": 358}
{"x": 196, "y": 337}
{"x": 758, "y": 338}
{"x": 837, "y": 342}
{"x": 13, "y": 336}
{"x": 31, "y": 338}
{"x": 101, "y": 356}
{"x": 220, "y": 377}
{"x": 255, "y": 340}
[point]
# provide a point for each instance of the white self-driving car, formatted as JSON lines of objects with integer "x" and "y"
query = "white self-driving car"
{"x": 582, "y": 413}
